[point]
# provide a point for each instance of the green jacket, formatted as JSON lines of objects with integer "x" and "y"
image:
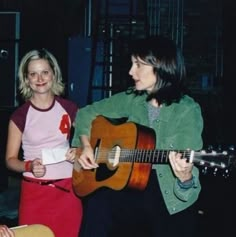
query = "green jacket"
{"x": 178, "y": 127}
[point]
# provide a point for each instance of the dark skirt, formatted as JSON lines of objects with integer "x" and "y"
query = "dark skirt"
{"x": 129, "y": 212}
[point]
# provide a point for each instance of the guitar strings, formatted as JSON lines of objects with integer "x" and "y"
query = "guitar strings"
{"x": 138, "y": 155}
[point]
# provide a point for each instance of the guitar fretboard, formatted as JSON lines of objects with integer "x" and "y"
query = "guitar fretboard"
{"x": 142, "y": 156}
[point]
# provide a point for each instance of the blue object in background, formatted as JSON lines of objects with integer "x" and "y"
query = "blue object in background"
{"x": 79, "y": 69}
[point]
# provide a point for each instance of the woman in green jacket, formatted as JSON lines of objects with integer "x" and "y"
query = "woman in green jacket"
{"x": 164, "y": 207}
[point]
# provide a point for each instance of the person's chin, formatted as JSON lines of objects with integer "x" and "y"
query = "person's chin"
{"x": 139, "y": 88}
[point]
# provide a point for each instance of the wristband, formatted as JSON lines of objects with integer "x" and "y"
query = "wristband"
{"x": 28, "y": 167}
{"x": 186, "y": 184}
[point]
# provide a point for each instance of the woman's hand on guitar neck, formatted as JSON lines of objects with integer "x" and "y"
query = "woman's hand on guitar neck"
{"x": 181, "y": 168}
{"x": 86, "y": 158}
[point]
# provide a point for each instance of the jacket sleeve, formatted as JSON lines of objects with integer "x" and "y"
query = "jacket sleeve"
{"x": 191, "y": 126}
{"x": 184, "y": 133}
{"x": 186, "y": 194}
{"x": 115, "y": 106}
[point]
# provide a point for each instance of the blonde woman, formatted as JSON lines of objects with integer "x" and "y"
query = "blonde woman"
{"x": 40, "y": 127}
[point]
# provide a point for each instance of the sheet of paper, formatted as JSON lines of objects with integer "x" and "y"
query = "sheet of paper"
{"x": 17, "y": 227}
{"x": 54, "y": 155}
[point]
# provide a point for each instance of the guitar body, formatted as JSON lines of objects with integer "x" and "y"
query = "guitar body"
{"x": 107, "y": 139}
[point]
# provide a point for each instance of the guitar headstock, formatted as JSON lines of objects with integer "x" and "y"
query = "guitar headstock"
{"x": 216, "y": 161}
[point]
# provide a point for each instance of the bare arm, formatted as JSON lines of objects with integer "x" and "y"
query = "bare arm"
{"x": 13, "y": 148}
{"x": 12, "y": 153}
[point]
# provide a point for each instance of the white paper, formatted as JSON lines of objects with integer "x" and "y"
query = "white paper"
{"x": 54, "y": 155}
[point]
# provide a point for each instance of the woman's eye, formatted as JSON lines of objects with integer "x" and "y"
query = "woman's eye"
{"x": 45, "y": 72}
{"x": 32, "y": 74}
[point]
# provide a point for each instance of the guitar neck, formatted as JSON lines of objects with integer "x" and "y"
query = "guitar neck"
{"x": 149, "y": 156}
{"x": 201, "y": 158}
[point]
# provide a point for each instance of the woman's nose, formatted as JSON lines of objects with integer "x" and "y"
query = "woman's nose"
{"x": 131, "y": 71}
{"x": 39, "y": 76}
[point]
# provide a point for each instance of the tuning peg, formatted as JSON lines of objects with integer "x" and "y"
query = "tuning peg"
{"x": 204, "y": 171}
{"x": 215, "y": 171}
{"x": 231, "y": 147}
{"x": 209, "y": 148}
{"x": 226, "y": 173}
{"x": 219, "y": 148}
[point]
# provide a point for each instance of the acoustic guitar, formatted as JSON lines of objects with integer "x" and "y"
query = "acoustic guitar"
{"x": 36, "y": 230}
{"x": 125, "y": 154}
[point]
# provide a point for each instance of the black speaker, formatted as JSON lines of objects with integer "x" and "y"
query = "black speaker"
{"x": 9, "y": 50}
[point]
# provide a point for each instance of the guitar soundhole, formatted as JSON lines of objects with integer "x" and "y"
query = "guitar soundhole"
{"x": 103, "y": 173}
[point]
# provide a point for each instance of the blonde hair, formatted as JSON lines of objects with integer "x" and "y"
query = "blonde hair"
{"x": 57, "y": 86}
